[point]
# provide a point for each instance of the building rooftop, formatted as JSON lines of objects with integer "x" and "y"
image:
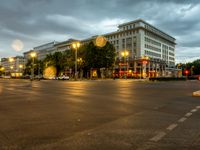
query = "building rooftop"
{"x": 141, "y": 20}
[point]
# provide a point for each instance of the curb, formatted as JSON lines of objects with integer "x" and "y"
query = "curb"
{"x": 197, "y": 93}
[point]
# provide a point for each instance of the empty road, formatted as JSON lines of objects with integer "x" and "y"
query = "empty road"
{"x": 99, "y": 115}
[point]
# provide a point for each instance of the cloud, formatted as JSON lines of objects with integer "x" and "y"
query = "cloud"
{"x": 36, "y": 22}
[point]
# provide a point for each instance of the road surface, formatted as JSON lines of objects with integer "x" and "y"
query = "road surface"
{"x": 99, "y": 115}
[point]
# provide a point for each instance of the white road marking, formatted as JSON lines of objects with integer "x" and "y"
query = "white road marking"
{"x": 182, "y": 119}
{"x": 188, "y": 114}
{"x": 172, "y": 126}
{"x": 198, "y": 107}
{"x": 158, "y": 137}
{"x": 193, "y": 110}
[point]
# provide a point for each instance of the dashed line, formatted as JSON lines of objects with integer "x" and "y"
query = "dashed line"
{"x": 172, "y": 126}
{"x": 158, "y": 137}
{"x": 193, "y": 110}
{"x": 182, "y": 119}
{"x": 188, "y": 114}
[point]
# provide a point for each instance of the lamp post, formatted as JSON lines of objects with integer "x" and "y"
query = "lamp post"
{"x": 11, "y": 67}
{"x": 20, "y": 69}
{"x": 80, "y": 60}
{"x": 33, "y": 55}
{"x": 76, "y": 46}
{"x": 143, "y": 67}
{"x": 125, "y": 54}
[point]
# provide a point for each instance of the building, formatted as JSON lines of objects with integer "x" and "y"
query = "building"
{"x": 41, "y": 51}
{"x": 150, "y": 51}
{"x": 65, "y": 45}
{"x": 142, "y": 49}
{"x": 13, "y": 66}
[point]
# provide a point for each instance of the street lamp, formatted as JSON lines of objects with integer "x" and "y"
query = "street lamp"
{"x": 20, "y": 66}
{"x": 33, "y": 55}
{"x": 11, "y": 59}
{"x": 144, "y": 61}
{"x": 80, "y": 60}
{"x": 20, "y": 69}
{"x": 125, "y": 54}
{"x": 76, "y": 45}
{"x": 11, "y": 67}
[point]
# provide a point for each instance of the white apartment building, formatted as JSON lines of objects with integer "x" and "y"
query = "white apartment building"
{"x": 41, "y": 51}
{"x": 142, "y": 40}
{"x": 13, "y": 66}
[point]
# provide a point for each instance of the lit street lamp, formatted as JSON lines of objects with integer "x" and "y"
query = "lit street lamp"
{"x": 20, "y": 69}
{"x": 80, "y": 60}
{"x": 76, "y": 46}
{"x": 33, "y": 55}
{"x": 20, "y": 66}
{"x": 125, "y": 54}
{"x": 144, "y": 62}
{"x": 11, "y": 61}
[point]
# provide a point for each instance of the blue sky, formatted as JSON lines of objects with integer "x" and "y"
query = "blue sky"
{"x": 26, "y": 24}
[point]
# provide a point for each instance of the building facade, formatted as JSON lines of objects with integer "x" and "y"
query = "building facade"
{"x": 41, "y": 51}
{"x": 149, "y": 51}
{"x": 140, "y": 39}
{"x": 13, "y": 66}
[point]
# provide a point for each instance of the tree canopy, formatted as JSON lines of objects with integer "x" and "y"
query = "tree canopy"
{"x": 89, "y": 56}
{"x": 192, "y": 67}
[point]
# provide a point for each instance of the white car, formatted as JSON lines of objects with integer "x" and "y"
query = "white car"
{"x": 63, "y": 77}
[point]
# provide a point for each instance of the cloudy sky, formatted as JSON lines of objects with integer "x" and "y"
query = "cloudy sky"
{"x": 25, "y": 24}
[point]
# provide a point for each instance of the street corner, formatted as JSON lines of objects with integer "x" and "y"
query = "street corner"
{"x": 197, "y": 93}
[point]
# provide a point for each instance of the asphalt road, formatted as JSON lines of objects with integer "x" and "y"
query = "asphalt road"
{"x": 99, "y": 115}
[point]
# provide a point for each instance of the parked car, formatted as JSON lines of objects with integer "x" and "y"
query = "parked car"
{"x": 63, "y": 77}
{"x": 7, "y": 77}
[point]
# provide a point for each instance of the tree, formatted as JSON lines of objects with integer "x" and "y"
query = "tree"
{"x": 99, "y": 57}
{"x": 192, "y": 67}
{"x": 38, "y": 67}
{"x": 196, "y": 67}
{"x": 89, "y": 56}
{"x": 55, "y": 60}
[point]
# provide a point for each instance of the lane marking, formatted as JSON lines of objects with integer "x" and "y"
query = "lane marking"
{"x": 172, "y": 126}
{"x": 198, "y": 107}
{"x": 193, "y": 110}
{"x": 158, "y": 137}
{"x": 182, "y": 119}
{"x": 188, "y": 114}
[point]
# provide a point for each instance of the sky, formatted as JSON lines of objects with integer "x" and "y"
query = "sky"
{"x": 25, "y": 24}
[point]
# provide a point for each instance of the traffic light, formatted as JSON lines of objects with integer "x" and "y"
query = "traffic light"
{"x": 186, "y": 72}
{"x": 144, "y": 62}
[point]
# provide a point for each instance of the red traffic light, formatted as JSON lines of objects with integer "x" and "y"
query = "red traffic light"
{"x": 186, "y": 71}
{"x": 144, "y": 62}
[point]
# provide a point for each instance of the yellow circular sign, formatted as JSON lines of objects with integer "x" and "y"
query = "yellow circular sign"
{"x": 100, "y": 41}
